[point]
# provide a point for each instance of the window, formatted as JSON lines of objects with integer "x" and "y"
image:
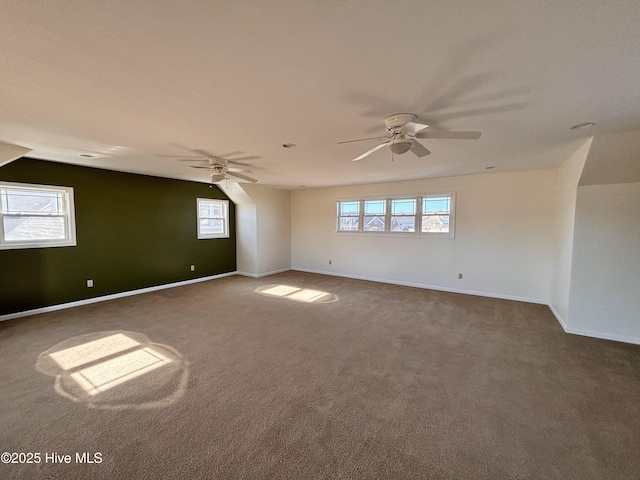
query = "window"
{"x": 34, "y": 216}
{"x": 348, "y": 216}
{"x": 436, "y": 212}
{"x": 374, "y": 216}
{"x": 403, "y": 215}
{"x": 424, "y": 215}
{"x": 213, "y": 218}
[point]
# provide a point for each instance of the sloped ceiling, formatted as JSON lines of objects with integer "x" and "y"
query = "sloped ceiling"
{"x": 131, "y": 81}
{"x": 9, "y": 153}
{"x": 613, "y": 158}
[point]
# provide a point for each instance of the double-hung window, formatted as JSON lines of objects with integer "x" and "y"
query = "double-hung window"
{"x": 213, "y": 218}
{"x": 374, "y": 216}
{"x": 436, "y": 214}
{"x": 348, "y": 216}
{"x": 35, "y": 216}
{"x": 403, "y": 214}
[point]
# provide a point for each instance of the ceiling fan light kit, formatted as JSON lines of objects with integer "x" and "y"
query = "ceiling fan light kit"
{"x": 398, "y": 146}
{"x": 403, "y": 129}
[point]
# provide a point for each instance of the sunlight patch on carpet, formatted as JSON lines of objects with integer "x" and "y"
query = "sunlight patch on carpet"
{"x": 280, "y": 290}
{"x": 298, "y": 294}
{"x": 111, "y": 373}
{"x": 88, "y": 352}
{"x": 115, "y": 370}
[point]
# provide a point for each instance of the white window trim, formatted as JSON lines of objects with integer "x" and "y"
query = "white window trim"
{"x": 388, "y": 215}
{"x": 416, "y": 216}
{"x": 452, "y": 216}
{"x": 225, "y": 216}
{"x": 69, "y": 216}
{"x": 360, "y": 217}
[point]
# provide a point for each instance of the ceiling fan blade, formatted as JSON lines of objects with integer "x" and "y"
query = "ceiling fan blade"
{"x": 471, "y": 135}
{"x": 369, "y": 152}
{"x": 362, "y": 140}
{"x": 192, "y": 159}
{"x": 206, "y": 156}
{"x": 181, "y": 157}
{"x": 248, "y": 157}
{"x": 244, "y": 177}
{"x": 238, "y": 170}
{"x": 414, "y": 127}
{"x": 228, "y": 154}
{"x": 204, "y": 153}
{"x": 198, "y": 166}
{"x": 418, "y": 149}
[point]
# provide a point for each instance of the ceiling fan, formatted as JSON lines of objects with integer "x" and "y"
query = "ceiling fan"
{"x": 218, "y": 166}
{"x": 219, "y": 170}
{"x": 403, "y": 129}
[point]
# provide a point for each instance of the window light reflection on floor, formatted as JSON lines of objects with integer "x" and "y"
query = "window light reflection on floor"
{"x": 102, "y": 364}
{"x": 91, "y": 351}
{"x": 296, "y": 293}
{"x": 118, "y": 370}
{"x": 307, "y": 295}
{"x": 280, "y": 290}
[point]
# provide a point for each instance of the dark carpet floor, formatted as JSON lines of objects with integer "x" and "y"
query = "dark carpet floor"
{"x": 302, "y": 376}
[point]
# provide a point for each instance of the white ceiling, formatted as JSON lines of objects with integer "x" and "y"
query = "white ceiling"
{"x": 132, "y": 80}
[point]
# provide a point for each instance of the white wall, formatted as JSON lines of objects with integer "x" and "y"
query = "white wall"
{"x": 246, "y": 239}
{"x": 263, "y": 223}
{"x": 605, "y": 278}
{"x": 273, "y": 226}
{"x": 504, "y": 243}
{"x": 567, "y": 184}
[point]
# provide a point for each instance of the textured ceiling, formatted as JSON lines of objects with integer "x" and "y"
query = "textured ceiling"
{"x": 133, "y": 80}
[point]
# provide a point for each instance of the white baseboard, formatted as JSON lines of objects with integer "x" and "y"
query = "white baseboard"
{"x": 113, "y": 296}
{"x": 603, "y": 335}
{"x": 246, "y": 274}
{"x": 427, "y": 287}
{"x": 273, "y": 272}
{"x": 558, "y": 317}
{"x": 590, "y": 333}
{"x": 266, "y": 274}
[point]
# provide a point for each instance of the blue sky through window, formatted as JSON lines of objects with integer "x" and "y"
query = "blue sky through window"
{"x": 374, "y": 207}
{"x": 403, "y": 207}
{"x": 349, "y": 208}
{"x": 436, "y": 205}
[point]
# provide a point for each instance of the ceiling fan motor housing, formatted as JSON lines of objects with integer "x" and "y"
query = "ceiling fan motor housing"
{"x": 398, "y": 120}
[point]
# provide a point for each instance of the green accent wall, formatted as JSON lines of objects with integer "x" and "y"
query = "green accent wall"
{"x": 132, "y": 231}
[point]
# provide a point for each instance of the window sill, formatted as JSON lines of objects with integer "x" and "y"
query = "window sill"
{"x": 399, "y": 234}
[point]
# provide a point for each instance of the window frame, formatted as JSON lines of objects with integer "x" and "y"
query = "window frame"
{"x": 68, "y": 215}
{"x": 451, "y": 214}
{"x": 225, "y": 218}
{"x": 389, "y": 215}
{"x": 385, "y": 215}
{"x": 340, "y": 216}
{"x": 416, "y": 216}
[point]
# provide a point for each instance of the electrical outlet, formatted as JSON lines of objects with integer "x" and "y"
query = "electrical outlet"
{"x": 329, "y": 262}
{"x": 193, "y": 268}
{"x": 89, "y": 283}
{"x": 460, "y": 276}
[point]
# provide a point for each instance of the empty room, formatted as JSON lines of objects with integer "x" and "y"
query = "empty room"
{"x": 320, "y": 240}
